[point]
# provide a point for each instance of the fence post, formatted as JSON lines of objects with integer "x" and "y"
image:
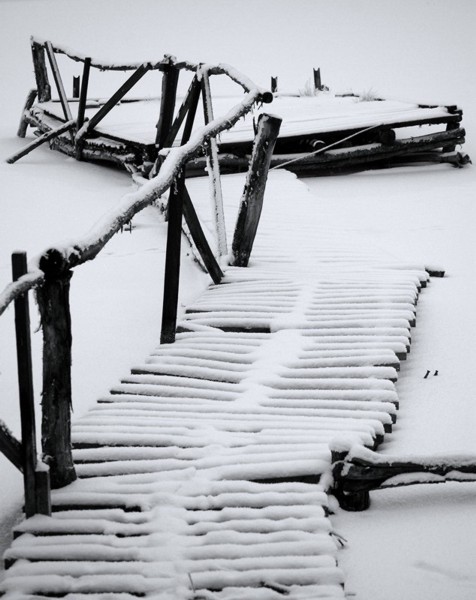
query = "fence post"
{"x": 317, "y": 79}
{"x": 253, "y": 193}
{"x": 172, "y": 260}
{"x": 53, "y": 303}
{"x": 167, "y": 104}
{"x": 41, "y": 73}
{"x": 274, "y": 84}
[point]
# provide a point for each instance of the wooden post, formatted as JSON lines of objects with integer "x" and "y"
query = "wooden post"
{"x": 83, "y": 94}
{"x": 25, "y": 386}
{"x": 172, "y": 261}
{"x": 76, "y": 86}
{"x": 36, "y": 482}
{"x": 253, "y": 193}
{"x": 317, "y": 79}
{"x": 53, "y": 303}
{"x": 28, "y": 104}
{"x": 167, "y": 104}
{"x": 188, "y": 105}
{"x": 214, "y": 170}
{"x": 41, "y": 73}
{"x": 274, "y": 84}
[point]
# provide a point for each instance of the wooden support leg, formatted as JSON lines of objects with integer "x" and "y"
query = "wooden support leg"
{"x": 253, "y": 194}
{"x": 53, "y": 302}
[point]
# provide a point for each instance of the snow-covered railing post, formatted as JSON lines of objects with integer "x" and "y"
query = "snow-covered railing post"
{"x": 253, "y": 193}
{"x": 53, "y": 303}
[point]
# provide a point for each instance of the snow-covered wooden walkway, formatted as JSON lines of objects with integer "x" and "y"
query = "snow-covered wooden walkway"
{"x": 204, "y": 473}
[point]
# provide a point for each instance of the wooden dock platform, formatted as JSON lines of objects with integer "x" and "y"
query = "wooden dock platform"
{"x": 205, "y": 472}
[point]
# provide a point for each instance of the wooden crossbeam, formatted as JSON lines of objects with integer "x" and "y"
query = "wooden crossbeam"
{"x": 191, "y": 99}
{"x": 116, "y": 97}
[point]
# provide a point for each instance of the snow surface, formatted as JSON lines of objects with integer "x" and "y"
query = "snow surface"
{"x": 416, "y": 543}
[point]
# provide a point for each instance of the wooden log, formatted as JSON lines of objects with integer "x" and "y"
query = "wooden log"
{"x": 30, "y": 99}
{"x": 214, "y": 170}
{"x": 172, "y": 261}
{"x": 274, "y": 84}
{"x": 41, "y": 72}
{"x": 25, "y": 385}
{"x": 167, "y": 104}
{"x": 59, "y": 82}
{"x": 253, "y": 193}
{"x": 200, "y": 240}
{"x": 46, "y": 137}
{"x": 53, "y": 303}
{"x": 115, "y": 98}
{"x": 11, "y": 447}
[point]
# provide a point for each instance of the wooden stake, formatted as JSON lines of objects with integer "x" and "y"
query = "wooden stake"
{"x": 214, "y": 171}
{"x": 317, "y": 79}
{"x": 172, "y": 261}
{"x": 274, "y": 84}
{"x": 253, "y": 193}
{"x": 53, "y": 303}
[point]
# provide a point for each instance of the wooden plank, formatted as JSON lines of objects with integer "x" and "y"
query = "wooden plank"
{"x": 172, "y": 261}
{"x": 30, "y": 99}
{"x": 10, "y": 447}
{"x": 46, "y": 137}
{"x": 59, "y": 82}
{"x": 253, "y": 194}
{"x": 214, "y": 170}
{"x": 117, "y": 96}
{"x": 200, "y": 240}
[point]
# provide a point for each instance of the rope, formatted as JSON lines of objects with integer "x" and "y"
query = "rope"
{"x": 314, "y": 152}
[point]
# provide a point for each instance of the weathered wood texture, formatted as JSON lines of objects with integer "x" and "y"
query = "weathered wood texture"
{"x": 58, "y": 81}
{"x": 53, "y": 303}
{"x": 30, "y": 99}
{"x": 253, "y": 194}
{"x": 41, "y": 72}
{"x": 46, "y": 137}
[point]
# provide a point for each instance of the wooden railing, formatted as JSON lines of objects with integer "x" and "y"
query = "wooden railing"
{"x": 52, "y": 274}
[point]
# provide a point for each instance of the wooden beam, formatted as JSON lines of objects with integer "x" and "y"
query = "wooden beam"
{"x": 274, "y": 84}
{"x": 76, "y": 86}
{"x": 25, "y": 385}
{"x": 190, "y": 100}
{"x": 253, "y": 193}
{"x": 59, "y": 82}
{"x": 53, "y": 304}
{"x": 116, "y": 97}
{"x": 46, "y": 137}
{"x": 214, "y": 170}
{"x": 30, "y": 99}
{"x": 172, "y": 261}
{"x": 199, "y": 239}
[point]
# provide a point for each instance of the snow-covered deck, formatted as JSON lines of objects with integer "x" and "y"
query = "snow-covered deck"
{"x": 204, "y": 473}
